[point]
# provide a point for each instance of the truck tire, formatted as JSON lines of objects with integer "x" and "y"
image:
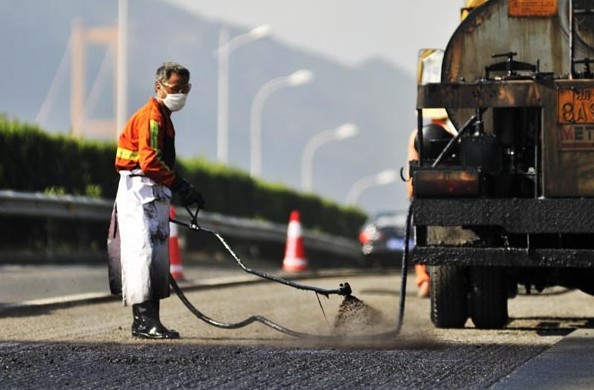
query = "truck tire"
{"x": 449, "y": 298}
{"x": 488, "y": 298}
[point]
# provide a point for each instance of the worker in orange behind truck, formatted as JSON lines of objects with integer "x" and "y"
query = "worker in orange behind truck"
{"x": 438, "y": 116}
{"x": 439, "y": 123}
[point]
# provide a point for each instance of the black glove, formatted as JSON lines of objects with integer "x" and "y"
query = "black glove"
{"x": 188, "y": 195}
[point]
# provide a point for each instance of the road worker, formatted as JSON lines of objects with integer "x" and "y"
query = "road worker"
{"x": 438, "y": 118}
{"x": 145, "y": 160}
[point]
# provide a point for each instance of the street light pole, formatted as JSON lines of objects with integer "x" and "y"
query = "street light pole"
{"x": 382, "y": 178}
{"x": 122, "y": 67}
{"x": 295, "y": 79}
{"x": 344, "y": 131}
{"x": 227, "y": 46}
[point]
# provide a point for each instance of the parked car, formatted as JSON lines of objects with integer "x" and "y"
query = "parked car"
{"x": 382, "y": 238}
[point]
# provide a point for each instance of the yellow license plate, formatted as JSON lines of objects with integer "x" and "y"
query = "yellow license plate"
{"x": 575, "y": 105}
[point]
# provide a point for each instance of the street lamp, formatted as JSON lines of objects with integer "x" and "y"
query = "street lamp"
{"x": 382, "y": 178}
{"x": 227, "y": 46}
{"x": 344, "y": 131}
{"x": 295, "y": 79}
{"x": 122, "y": 67}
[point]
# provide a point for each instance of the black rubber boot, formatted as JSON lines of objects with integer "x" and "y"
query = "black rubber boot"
{"x": 147, "y": 324}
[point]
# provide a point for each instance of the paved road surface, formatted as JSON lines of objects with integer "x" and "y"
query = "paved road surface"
{"x": 88, "y": 346}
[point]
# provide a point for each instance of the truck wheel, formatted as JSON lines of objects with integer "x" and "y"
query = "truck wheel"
{"x": 449, "y": 302}
{"x": 488, "y": 298}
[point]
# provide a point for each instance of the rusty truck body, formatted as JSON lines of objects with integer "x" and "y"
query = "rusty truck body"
{"x": 508, "y": 201}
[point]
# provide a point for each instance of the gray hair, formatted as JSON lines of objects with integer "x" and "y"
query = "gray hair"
{"x": 168, "y": 68}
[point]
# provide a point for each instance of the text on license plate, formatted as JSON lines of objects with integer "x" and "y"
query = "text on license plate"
{"x": 575, "y": 105}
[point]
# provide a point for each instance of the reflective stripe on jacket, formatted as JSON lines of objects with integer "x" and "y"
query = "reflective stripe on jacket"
{"x": 147, "y": 142}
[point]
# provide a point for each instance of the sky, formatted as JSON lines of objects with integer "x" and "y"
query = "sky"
{"x": 348, "y": 31}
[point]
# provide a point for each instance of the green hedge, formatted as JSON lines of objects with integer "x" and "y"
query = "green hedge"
{"x": 32, "y": 160}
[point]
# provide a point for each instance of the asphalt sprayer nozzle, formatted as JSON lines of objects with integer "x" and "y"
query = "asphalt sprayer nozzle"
{"x": 345, "y": 289}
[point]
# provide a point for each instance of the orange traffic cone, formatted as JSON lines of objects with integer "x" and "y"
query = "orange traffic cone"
{"x": 175, "y": 260}
{"x": 294, "y": 260}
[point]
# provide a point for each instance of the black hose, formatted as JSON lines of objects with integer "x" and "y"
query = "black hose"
{"x": 344, "y": 288}
{"x": 265, "y": 321}
{"x": 234, "y": 325}
{"x": 404, "y": 271}
{"x": 271, "y": 324}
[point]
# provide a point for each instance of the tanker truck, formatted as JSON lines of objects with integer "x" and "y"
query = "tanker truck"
{"x": 507, "y": 203}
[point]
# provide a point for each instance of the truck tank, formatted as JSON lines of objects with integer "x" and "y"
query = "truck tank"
{"x": 508, "y": 201}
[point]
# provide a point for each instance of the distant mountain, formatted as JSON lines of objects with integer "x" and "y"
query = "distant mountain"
{"x": 375, "y": 95}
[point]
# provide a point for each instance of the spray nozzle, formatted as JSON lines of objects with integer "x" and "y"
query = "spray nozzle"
{"x": 345, "y": 289}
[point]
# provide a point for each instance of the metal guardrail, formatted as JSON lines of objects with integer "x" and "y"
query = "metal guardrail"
{"x": 24, "y": 204}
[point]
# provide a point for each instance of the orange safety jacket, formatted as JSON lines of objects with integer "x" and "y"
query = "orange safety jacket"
{"x": 147, "y": 142}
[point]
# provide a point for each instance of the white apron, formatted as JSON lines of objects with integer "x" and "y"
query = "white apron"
{"x": 143, "y": 222}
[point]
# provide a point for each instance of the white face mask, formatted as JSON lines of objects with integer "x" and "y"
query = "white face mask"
{"x": 175, "y": 101}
